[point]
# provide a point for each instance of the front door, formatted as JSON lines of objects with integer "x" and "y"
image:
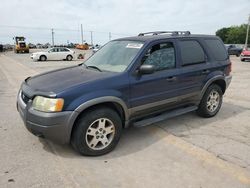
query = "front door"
{"x": 152, "y": 92}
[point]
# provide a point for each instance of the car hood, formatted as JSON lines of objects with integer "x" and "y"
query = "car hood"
{"x": 59, "y": 80}
{"x": 246, "y": 52}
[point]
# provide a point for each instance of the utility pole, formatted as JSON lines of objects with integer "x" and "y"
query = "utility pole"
{"x": 247, "y": 32}
{"x": 110, "y": 36}
{"x": 91, "y": 35}
{"x": 82, "y": 33}
{"x": 52, "y": 32}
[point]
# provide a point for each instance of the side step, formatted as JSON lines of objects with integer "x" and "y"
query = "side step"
{"x": 164, "y": 116}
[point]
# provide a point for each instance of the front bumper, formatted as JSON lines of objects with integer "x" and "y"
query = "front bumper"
{"x": 53, "y": 126}
{"x": 34, "y": 57}
{"x": 244, "y": 57}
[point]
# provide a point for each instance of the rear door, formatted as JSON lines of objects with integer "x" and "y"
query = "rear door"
{"x": 53, "y": 54}
{"x": 194, "y": 67}
{"x": 63, "y": 53}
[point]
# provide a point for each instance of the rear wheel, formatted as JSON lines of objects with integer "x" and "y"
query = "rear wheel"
{"x": 69, "y": 58}
{"x": 97, "y": 132}
{"x": 43, "y": 58}
{"x": 211, "y": 101}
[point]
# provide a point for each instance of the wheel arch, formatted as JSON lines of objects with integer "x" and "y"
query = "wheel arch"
{"x": 111, "y": 102}
{"x": 219, "y": 80}
{"x": 44, "y": 56}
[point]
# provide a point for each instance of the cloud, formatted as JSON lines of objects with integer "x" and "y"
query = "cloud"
{"x": 119, "y": 17}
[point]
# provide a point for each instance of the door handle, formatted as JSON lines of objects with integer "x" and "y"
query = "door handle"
{"x": 205, "y": 71}
{"x": 171, "y": 78}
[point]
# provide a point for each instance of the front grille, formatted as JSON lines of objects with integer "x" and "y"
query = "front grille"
{"x": 22, "y": 45}
{"x": 27, "y": 91}
{"x": 24, "y": 98}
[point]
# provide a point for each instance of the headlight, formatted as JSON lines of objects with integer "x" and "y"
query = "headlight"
{"x": 47, "y": 104}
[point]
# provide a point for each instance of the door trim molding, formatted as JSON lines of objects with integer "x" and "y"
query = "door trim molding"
{"x": 162, "y": 102}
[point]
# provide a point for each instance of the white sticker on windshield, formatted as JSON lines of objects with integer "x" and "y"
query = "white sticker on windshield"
{"x": 134, "y": 45}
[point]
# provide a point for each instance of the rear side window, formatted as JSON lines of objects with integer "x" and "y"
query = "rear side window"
{"x": 217, "y": 48}
{"x": 191, "y": 52}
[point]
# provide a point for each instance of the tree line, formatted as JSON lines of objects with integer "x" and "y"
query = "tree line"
{"x": 233, "y": 34}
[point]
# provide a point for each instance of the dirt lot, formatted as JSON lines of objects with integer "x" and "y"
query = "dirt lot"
{"x": 186, "y": 151}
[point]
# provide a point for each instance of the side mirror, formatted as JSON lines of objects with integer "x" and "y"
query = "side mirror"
{"x": 147, "y": 69}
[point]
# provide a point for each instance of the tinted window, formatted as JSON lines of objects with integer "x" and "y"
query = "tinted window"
{"x": 54, "y": 50}
{"x": 64, "y": 50}
{"x": 162, "y": 56}
{"x": 191, "y": 52}
{"x": 217, "y": 48}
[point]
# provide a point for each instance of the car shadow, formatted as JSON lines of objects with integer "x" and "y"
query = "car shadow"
{"x": 135, "y": 139}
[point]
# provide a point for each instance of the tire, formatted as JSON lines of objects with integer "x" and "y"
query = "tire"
{"x": 69, "y": 58}
{"x": 89, "y": 135}
{"x": 237, "y": 55}
{"x": 208, "y": 106}
{"x": 242, "y": 59}
{"x": 43, "y": 58}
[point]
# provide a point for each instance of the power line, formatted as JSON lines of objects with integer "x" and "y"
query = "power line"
{"x": 61, "y": 29}
{"x": 36, "y": 28}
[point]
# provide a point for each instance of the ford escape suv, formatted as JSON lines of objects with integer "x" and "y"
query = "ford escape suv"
{"x": 130, "y": 81}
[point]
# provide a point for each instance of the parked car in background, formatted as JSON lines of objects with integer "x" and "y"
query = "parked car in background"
{"x": 32, "y": 46}
{"x": 136, "y": 80}
{"x": 1, "y": 48}
{"x": 56, "y": 53}
{"x": 245, "y": 55}
{"x": 96, "y": 48}
{"x": 7, "y": 47}
{"x": 232, "y": 49}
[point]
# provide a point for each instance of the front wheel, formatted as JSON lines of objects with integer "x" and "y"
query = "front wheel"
{"x": 211, "y": 102}
{"x": 97, "y": 132}
{"x": 43, "y": 58}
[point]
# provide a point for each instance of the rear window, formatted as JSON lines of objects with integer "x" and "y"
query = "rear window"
{"x": 217, "y": 48}
{"x": 191, "y": 52}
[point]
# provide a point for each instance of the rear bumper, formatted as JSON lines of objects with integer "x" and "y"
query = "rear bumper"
{"x": 53, "y": 126}
{"x": 228, "y": 80}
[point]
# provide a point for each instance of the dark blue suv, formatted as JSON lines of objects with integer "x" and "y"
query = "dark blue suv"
{"x": 130, "y": 81}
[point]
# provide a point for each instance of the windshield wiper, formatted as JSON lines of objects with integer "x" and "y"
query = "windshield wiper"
{"x": 92, "y": 66}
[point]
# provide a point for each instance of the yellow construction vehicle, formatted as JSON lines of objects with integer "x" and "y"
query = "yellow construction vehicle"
{"x": 20, "y": 45}
{"x": 82, "y": 46}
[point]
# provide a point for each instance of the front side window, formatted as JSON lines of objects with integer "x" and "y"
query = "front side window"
{"x": 191, "y": 52}
{"x": 53, "y": 50}
{"x": 115, "y": 56}
{"x": 162, "y": 56}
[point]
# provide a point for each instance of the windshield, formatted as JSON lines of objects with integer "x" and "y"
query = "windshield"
{"x": 115, "y": 56}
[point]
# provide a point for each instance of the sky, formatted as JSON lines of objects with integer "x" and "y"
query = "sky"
{"x": 34, "y": 19}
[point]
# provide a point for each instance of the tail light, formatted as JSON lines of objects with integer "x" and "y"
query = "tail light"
{"x": 229, "y": 68}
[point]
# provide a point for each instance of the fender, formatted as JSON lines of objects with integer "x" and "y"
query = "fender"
{"x": 93, "y": 102}
{"x": 211, "y": 80}
{"x": 100, "y": 100}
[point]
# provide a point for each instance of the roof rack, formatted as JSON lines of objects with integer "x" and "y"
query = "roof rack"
{"x": 172, "y": 33}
